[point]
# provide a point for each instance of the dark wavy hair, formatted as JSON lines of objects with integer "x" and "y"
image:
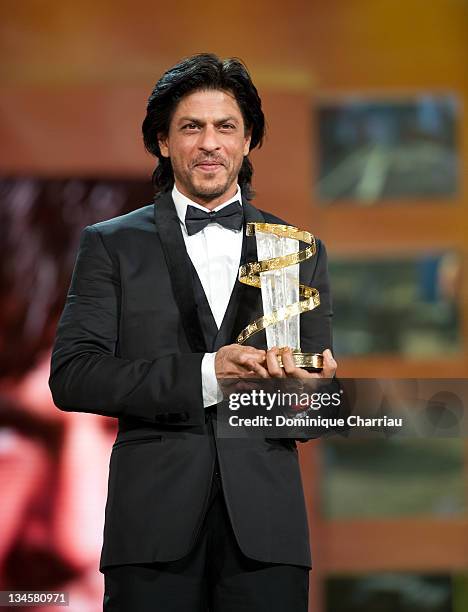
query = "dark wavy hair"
{"x": 195, "y": 73}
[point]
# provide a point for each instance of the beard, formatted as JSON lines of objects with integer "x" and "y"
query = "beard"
{"x": 209, "y": 187}
{"x": 208, "y": 193}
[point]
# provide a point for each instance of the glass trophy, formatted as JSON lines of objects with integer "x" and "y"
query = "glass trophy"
{"x": 283, "y": 297}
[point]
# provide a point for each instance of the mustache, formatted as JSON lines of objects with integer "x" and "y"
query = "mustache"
{"x": 209, "y": 160}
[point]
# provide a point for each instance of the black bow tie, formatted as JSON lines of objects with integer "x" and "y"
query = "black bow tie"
{"x": 231, "y": 216}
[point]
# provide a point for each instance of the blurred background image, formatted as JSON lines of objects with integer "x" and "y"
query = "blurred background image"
{"x": 366, "y": 148}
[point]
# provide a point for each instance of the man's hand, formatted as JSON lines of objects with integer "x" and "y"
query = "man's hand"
{"x": 290, "y": 369}
{"x": 236, "y": 361}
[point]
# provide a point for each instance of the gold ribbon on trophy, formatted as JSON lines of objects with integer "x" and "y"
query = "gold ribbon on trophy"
{"x": 249, "y": 274}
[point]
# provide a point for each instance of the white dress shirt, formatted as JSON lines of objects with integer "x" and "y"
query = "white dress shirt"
{"x": 215, "y": 252}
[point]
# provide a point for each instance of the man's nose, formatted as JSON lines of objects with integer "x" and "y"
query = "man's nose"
{"x": 81, "y": 488}
{"x": 209, "y": 139}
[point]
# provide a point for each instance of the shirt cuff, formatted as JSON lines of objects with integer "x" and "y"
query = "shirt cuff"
{"x": 212, "y": 393}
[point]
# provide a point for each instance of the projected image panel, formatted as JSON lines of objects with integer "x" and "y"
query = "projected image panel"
{"x": 53, "y": 464}
{"x": 393, "y": 592}
{"x": 370, "y": 151}
{"x": 368, "y": 479}
{"x": 407, "y": 305}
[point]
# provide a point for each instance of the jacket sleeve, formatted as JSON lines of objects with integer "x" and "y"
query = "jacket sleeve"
{"x": 86, "y": 373}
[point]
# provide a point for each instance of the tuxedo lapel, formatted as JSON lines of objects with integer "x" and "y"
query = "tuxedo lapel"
{"x": 179, "y": 266}
{"x": 205, "y": 314}
{"x": 245, "y": 303}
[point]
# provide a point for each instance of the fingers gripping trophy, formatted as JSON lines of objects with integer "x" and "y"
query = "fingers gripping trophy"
{"x": 284, "y": 298}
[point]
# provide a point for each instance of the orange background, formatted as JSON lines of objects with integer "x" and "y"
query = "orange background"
{"x": 74, "y": 82}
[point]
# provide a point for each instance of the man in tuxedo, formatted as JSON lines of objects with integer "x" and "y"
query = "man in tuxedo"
{"x": 193, "y": 521}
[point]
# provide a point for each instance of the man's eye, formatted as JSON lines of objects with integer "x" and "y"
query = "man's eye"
{"x": 227, "y": 126}
{"x": 190, "y": 126}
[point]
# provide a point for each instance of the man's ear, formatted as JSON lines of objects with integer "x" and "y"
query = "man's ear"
{"x": 163, "y": 146}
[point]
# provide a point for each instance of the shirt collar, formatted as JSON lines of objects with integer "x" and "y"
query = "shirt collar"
{"x": 181, "y": 202}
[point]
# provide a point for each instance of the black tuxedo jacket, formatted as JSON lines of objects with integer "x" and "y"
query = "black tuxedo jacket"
{"x": 129, "y": 344}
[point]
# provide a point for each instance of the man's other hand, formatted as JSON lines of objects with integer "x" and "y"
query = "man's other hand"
{"x": 236, "y": 361}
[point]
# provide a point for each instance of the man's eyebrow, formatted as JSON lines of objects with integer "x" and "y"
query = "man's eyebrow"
{"x": 190, "y": 119}
{"x": 200, "y": 121}
{"x": 228, "y": 118}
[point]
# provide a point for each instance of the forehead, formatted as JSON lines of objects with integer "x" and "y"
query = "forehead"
{"x": 208, "y": 103}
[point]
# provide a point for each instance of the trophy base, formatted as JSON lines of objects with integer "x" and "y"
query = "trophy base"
{"x": 309, "y": 361}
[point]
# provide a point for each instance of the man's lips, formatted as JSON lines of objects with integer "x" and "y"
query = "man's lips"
{"x": 209, "y": 166}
